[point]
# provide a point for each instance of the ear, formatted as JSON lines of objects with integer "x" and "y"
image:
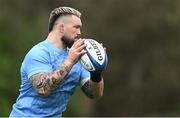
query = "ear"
{"x": 61, "y": 28}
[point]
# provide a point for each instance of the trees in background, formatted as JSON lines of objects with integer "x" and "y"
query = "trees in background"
{"x": 142, "y": 41}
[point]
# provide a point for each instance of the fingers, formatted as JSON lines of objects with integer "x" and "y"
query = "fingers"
{"x": 79, "y": 42}
{"x": 83, "y": 52}
{"x": 77, "y": 50}
{"x": 79, "y": 45}
{"x": 103, "y": 47}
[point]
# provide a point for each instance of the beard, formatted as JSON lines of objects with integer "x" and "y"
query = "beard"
{"x": 68, "y": 41}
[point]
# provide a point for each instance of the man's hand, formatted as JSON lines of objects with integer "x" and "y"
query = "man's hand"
{"x": 75, "y": 52}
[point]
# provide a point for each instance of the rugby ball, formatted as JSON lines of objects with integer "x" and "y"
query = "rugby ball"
{"x": 95, "y": 59}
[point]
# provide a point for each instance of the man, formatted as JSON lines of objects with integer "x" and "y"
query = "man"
{"x": 51, "y": 71}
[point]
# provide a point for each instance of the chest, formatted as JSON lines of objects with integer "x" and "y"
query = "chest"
{"x": 73, "y": 77}
{"x": 57, "y": 59}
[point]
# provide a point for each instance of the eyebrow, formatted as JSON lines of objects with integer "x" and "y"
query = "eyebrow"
{"x": 79, "y": 26}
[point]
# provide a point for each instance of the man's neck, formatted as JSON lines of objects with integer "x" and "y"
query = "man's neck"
{"x": 55, "y": 39}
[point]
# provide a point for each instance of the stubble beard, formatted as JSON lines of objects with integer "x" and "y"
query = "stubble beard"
{"x": 68, "y": 41}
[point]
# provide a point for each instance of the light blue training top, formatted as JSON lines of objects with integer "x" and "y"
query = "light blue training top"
{"x": 44, "y": 57}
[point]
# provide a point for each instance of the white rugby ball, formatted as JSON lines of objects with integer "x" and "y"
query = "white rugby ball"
{"x": 95, "y": 58}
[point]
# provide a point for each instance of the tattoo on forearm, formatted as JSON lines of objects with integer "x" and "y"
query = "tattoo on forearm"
{"x": 87, "y": 89}
{"x": 44, "y": 83}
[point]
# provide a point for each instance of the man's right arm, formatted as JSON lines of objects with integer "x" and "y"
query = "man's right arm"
{"x": 44, "y": 83}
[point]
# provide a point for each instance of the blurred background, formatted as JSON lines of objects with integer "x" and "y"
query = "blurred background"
{"x": 142, "y": 38}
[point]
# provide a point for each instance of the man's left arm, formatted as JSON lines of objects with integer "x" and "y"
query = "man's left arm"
{"x": 94, "y": 87}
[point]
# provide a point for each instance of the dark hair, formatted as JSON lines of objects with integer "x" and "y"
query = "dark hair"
{"x": 61, "y": 11}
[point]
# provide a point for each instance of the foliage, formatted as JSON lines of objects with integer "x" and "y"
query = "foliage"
{"x": 142, "y": 41}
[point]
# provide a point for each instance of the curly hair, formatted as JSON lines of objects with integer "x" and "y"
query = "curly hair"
{"x": 61, "y": 11}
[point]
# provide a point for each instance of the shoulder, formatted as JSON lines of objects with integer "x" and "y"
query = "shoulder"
{"x": 38, "y": 51}
{"x": 37, "y": 60}
{"x": 41, "y": 46}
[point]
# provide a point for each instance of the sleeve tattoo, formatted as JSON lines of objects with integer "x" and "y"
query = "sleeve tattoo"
{"x": 87, "y": 89}
{"x": 92, "y": 89}
{"x": 44, "y": 83}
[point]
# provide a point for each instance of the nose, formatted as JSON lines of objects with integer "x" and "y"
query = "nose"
{"x": 79, "y": 32}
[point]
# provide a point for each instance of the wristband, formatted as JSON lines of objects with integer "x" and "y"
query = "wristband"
{"x": 96, "y": 77}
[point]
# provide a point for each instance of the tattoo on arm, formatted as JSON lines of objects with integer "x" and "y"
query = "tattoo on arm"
{"x": 44, "y": 83}
{"x": 92, "y": 89}
{"x": 87, "y": 89}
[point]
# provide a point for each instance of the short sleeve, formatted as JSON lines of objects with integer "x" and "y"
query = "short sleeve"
{"x": 85, "y": 76}
{"x": 37, "y": 60}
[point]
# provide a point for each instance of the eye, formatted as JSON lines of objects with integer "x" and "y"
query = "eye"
{"x": 77, "y": 26}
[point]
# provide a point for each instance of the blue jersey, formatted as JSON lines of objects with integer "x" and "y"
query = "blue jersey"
{"x": 44, "y": 57}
